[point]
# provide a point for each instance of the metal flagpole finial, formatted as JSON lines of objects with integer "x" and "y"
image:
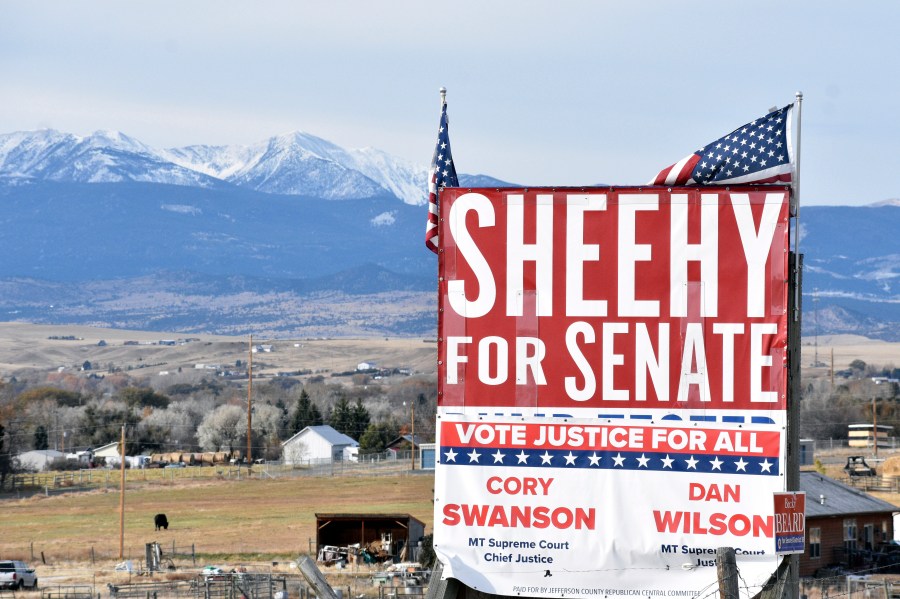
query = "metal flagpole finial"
{"x": 443, "y": 96}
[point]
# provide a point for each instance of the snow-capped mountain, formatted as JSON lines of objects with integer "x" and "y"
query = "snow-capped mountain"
{"x": 103, "y": 157}
{"x": 292, "y": 164}
{"x": 232, "y": 211}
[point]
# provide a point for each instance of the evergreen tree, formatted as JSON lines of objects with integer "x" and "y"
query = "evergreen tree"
{"x": 377, "y": 436}
{"x": 305, "y": 414}
{"x": 342, "y": 417}
{"x": 40, "y": 438}
{"x": 360, "y": 418}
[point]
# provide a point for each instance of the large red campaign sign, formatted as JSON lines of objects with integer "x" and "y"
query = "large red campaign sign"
{"x": 612, "y": 384}
{"x": 614, "y": 298}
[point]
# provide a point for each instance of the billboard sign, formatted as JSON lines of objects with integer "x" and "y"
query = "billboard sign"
{"x": 612, "y": 386}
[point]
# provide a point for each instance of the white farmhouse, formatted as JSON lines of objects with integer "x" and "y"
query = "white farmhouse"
{"x": 316, "y": 445}
{"x": 110, "y": 450}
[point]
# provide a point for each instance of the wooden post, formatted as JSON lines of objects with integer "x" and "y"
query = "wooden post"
{"x": 448, "y": 588}
{"x": 726, "y": 569}
{"x": 315, "y": 579}
{"x": 249, "y": 405}
{"x": 122, "y": 499}
{"x": 874, "y": 426}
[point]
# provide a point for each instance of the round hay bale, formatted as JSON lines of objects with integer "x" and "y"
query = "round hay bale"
{"x": 890, "y": 468}
{"x": 208, "y": 458}
{"x": 220, "y": 457}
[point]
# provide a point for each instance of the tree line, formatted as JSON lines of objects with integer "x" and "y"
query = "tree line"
{"x": 74, "y": 413}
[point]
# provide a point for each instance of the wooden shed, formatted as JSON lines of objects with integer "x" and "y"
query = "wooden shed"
{"x": 343, "y": 530}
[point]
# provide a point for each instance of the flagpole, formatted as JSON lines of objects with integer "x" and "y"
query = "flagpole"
{"x": 795, "y": 187}
{"x": 792, "y": 442}
{"x": 443, "y": 96}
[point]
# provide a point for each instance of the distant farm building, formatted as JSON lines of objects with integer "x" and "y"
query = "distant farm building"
{"x": 316, "y": 444}
{"x": 844, "y": 526}
{"x": 383, "y": 536}
{"x": 366, "y": 366}
{"x": 404, "y": 443}
{"x": 864, "y": 435}
{"x": 427, "y": 456}
{"x": 38, "y": 459}
{"x": 110, "y": 450}
{"x": 807, "y": 449}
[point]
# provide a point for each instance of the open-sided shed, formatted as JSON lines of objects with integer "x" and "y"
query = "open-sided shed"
{"x": 343, "y": 530}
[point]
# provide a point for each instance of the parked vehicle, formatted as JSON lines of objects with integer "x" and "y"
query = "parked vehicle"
{"x": 17, "y": 575}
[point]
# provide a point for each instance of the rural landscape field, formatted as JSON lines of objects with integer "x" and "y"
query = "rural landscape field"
{"x": 139, "y": 353}
{"x": 262, "y": 519}
{"x": 257, "y": 523}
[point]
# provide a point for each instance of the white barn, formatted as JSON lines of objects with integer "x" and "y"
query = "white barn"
{"x": 38, "y": 459}
{"x": 316, "y": 444}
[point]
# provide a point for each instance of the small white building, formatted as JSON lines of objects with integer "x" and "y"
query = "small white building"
{"x": 110, "y": 450}
{"x": 366, "y": 366}
{"x": 38, "y": 459}
{"x": 316, "y": 445}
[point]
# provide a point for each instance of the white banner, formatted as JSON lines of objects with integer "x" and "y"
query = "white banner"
{"x": 578, "y": 507}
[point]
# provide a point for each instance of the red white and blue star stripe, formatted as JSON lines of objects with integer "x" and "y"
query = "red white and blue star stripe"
{"x": 441, "y": 174}
{"x": 758, "y": 152}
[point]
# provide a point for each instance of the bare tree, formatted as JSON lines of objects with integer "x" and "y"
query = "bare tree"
{"x": 224, "y": 428}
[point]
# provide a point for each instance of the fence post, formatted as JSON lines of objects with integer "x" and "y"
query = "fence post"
{"x": 726, "y": 568}
{"x": 315, "y": 579}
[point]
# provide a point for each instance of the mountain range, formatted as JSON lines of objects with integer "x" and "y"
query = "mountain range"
{"x": 296, "y": 236}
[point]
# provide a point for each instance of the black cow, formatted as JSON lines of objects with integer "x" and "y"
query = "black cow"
{"x": 161, "y": 521}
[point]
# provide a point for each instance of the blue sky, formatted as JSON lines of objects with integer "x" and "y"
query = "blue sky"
{"x": 539, "y": 93}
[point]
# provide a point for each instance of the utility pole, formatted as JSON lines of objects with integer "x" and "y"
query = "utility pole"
{"x": 816, "y": 314}
{"x": 413, "y": 435}
{"x": 250, "y": 404}
{"x": 832, "y": 369}
{"x": 874, "y": 427}
{"x": 122, "y": 498}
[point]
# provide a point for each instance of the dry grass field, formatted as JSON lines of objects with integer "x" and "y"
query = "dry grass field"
{"x": 74, "y": 538}
{"x": 28, "y": 346}
{"x": 43, "y": 347}
{"x": 845, "y": 349}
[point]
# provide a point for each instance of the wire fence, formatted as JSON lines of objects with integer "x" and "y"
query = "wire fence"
{"x": 246, "y": 585}
{"x": 54, "y": 483}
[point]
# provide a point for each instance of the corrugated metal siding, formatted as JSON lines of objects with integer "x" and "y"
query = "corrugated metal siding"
{"x": 839, "y": 498}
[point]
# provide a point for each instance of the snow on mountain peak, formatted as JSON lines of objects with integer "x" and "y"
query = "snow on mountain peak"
{"x": 107, "y": 138}
{"x": 296, "y": 163}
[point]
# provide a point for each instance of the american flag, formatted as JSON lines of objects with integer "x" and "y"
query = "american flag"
{"x": 441, "y": 174}
{"x": 758, "y": 152}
